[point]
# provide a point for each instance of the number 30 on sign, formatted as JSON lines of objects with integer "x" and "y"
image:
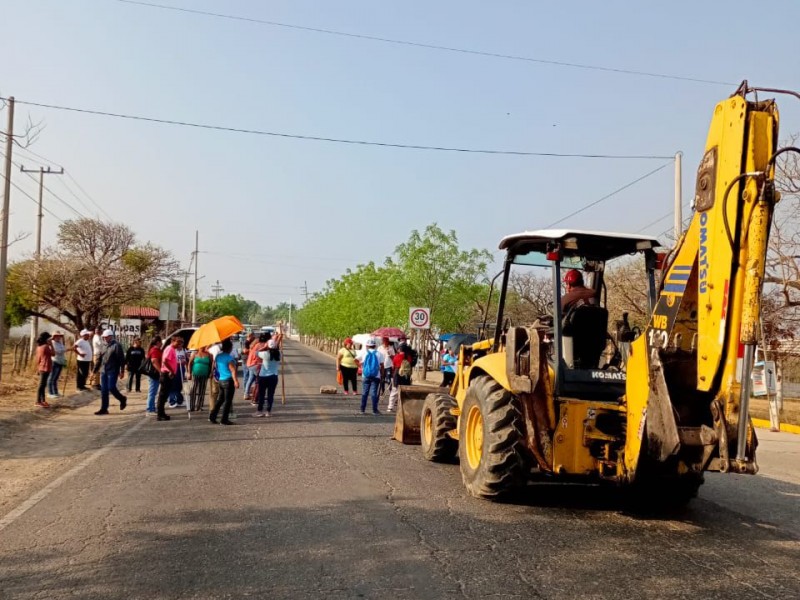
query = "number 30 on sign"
{"x": 419, "y": 318}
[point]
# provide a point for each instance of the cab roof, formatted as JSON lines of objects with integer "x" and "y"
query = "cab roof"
{"x": 599, "y": 245}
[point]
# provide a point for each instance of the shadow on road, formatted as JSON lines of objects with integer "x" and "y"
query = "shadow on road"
{"x": 397, "y": 549}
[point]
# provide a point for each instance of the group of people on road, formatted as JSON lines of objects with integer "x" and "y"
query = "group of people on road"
{"x": 101, "y": 359}
{"x": 168, "y": 369}
{"x": 378, "y": 366}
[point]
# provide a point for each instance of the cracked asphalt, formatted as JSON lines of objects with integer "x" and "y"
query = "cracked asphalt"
{"x": 316, "y": 502}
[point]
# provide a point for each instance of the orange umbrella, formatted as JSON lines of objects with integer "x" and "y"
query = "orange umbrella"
{"x": 215, "y": 331}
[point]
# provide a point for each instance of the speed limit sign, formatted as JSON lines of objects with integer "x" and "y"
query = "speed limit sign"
{"x": 419, "y": 318}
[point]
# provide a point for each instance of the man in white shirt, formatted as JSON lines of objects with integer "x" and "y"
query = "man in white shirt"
{"x": 83, "y": 350}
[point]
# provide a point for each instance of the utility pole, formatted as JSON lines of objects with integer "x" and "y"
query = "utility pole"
{"x": 217, "y": 289}
{"x": 305, "y": 290}
{"x": 38, "y": 254}
{"x": 4, "y": 228}
{"x": 196, "y": 254}
{"x": 678, "y": 195}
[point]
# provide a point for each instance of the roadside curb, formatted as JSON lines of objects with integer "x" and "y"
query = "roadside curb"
{"x": 785, "y": 427}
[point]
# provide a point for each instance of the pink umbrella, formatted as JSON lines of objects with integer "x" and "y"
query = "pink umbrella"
{"x": 390, "y": 332}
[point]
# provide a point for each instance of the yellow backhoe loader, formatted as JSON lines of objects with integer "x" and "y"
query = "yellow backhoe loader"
{"x": 556, "y": 399}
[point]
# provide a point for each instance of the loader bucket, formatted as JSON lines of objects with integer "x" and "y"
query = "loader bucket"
{"x": 409, "y": 411}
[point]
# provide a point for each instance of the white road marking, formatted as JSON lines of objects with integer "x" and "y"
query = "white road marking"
{"x": 37, "y": 497}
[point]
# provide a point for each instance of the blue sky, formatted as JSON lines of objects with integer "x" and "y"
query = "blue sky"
{"x": 275, "y": 213}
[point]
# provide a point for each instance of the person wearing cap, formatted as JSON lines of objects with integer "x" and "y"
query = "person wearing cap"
{"x": 268, "y": 375}
{"x": 83, "y": 349}
{"x": 371, "y": 361}
{"x": 59, "y": 362}
{"x": 44, "y": 364}
{"x": 576, "y": 292}
{"x": 112, "y": 367}
{"x": 346, "y": 365}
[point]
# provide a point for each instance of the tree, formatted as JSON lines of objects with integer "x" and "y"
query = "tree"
{"x": 93, "y": 269}
{"x": 427, "y": 270}
{"x": 232, "y": 304}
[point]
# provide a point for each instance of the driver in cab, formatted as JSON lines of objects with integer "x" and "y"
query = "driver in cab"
{"x": 577, "y": 293}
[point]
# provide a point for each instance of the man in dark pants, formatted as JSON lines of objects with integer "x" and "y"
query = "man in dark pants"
{"x": 112, "y": 367}
{"x": 134, "y": 358}
{"x": 83, "y": 348}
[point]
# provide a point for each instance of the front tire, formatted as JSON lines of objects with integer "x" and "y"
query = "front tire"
{"x": 435, "y": 422}
{"x": 491, "y": 447}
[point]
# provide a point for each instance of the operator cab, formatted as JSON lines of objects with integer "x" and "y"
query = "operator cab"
{"x": 586, "y": 360}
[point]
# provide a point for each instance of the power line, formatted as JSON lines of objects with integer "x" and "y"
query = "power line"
{"x": 336, "y": 140}
{"x": 54, "y": 195}
{"x": 607, "y": 196}
{"x": 31, "y": 198}
{"x": 658, "y": 220}
{"x": 555, "y": 63}
{"x": 69, "y": 175}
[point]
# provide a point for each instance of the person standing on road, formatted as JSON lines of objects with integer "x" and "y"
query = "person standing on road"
{"x": 112, "y": 368}
{"x": 346, "y": 365}
{"x": 83, "y": 349}
{"x": 59, "y": 362}
{"x": 134, "y": 358}
{"x": 268, "y": 375}
{"x": 388, "y": 352}
{"x": 253, "y": 364}
{"x": 199, "y": 372}
{"x": 248, "y": 343}
{"x": 448, "y": 368}
{"x": 176, "y": 398}
{"x": 402, "y": 363}
{"x": 44, "y": 365}
{"x": 170, "y": 370}
{"x": 225, "y": 367}
{"x": 371, "y": 362}
{"x": 98, "y": 348}
{"x": 154, "y": 356}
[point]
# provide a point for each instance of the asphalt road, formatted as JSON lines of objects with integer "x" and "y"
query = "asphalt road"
{"x": 316, "y": 502}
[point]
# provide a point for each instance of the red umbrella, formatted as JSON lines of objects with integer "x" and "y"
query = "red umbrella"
{"x": 390, "y": 332}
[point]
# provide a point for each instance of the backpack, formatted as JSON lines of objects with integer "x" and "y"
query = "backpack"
{"x": 371, "y": 367}
{"x": 405, "y": 367}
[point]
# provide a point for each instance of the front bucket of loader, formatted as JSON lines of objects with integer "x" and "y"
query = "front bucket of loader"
{"x": 409, "y": 412}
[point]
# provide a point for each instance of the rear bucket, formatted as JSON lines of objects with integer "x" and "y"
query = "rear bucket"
{"x": 409, "y": 412}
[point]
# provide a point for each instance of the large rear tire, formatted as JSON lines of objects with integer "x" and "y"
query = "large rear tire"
{"x": 435, "y": 422}
{"x": 491, "y": 445}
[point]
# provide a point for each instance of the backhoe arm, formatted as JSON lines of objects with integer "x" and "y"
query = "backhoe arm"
{"x": 688, "y": 391}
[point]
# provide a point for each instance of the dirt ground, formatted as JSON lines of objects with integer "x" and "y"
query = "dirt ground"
{"x": 18, "y": 393}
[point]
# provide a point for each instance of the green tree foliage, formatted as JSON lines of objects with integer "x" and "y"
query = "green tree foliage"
{"x": 429, "y": 269}
{"x": 232, "y": 304}
{"x": 93, "y": 269}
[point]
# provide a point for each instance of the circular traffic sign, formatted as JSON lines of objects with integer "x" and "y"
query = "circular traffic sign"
{"x": 420, "y": 318}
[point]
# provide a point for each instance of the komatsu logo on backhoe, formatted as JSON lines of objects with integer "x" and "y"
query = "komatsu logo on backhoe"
{"x": 703, "y": 258}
